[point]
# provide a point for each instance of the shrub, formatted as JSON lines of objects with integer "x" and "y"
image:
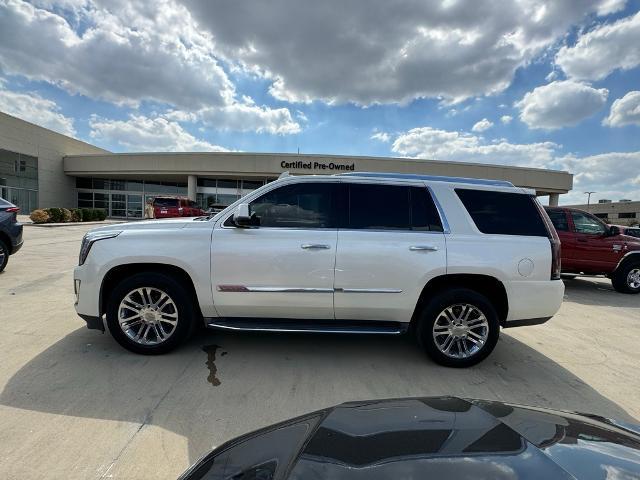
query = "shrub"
{"x": 76, "y": 215}
{"x": 66, "y": 215}
{"x": 55, "y": 215}
{"x": 87, "y": 214}
{"x": 39, "y": 216}
{"x": 100, "y": 214}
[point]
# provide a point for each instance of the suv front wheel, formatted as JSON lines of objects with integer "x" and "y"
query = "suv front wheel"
{"x": 150, "y": 313}
{"x": 626, "y": 279}
{"x": 458, "y": 328}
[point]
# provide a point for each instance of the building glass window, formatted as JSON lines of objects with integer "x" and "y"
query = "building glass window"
{"x": 207, "y": 182}
{"x": 134, "y": 186}
{"x": 83, "y": 182}
{"x": 223, "y": 199}
{"x": 100, "y": 184}
{"x": 134, "y": 206}
{"x": 19, "y": 180}
{"x": 251, "y": 184}
{"x": 101, "y": 200}
{"x": 85, "y": 200}
{"x": 118, "y": 205}
{"x": 603, "y": 216}
{"x": 233, "y": 184}
{"x": 627, "y": 215}
{"x": 117, "y": 184}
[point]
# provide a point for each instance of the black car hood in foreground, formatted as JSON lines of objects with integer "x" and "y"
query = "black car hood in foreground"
{"x": 429, "y": 438}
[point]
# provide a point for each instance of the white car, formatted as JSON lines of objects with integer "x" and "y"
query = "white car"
{"x": 450, "y": 260}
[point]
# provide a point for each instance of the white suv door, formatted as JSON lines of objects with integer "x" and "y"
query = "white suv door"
{"x": 283, "y": 268}
{"x": 392, "y": 245}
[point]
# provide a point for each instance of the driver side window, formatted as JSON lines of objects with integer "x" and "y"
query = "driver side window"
{"x": 584, "y": 223}
{"x": 301, "y": 205}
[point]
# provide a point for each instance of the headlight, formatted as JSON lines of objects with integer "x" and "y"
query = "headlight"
{"x": 89, "y": 239}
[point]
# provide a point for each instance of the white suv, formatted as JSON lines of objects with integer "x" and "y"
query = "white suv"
{"x": 450, "y": 260}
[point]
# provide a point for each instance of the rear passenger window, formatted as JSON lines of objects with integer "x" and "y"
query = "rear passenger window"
{"x": 391, "y": 207}
{"x": 559, "y": 220}
{"x": 503, "y": 213}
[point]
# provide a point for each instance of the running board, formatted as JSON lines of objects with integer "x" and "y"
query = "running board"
{"x": 306, "y": 326}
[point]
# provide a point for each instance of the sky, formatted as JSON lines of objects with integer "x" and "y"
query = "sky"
{"x": 549, "y": 84}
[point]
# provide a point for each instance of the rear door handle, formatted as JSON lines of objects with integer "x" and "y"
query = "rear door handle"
{"x": 428, "y": 248}
{"x": 315, "y": 246}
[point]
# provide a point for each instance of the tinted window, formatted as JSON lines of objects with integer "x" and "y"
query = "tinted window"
{"x": 391, "y": 207}
{"x": 302, "y": 205}
{"x": 559, "y": 220}
{"x": 584, "y": 223}
{"x": 503, "y": 213}
{"x": 634, "y": 232}
{"x": 165, "y": 202}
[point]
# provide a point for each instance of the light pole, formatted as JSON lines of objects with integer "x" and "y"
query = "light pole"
{"x": 589, "y": 199}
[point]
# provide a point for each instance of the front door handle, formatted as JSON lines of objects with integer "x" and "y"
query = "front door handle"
{"x": 428, "y": 248}
{"x": 315, "y": 246}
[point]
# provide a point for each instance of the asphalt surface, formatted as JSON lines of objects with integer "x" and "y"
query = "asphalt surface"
{"x": 73, "y": 404}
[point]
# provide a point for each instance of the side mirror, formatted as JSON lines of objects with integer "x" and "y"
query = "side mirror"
{"x": 242, "y": 217}
{"x": 613, "y": 231}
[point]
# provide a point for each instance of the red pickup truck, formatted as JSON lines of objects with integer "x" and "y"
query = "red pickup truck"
{"x": 591, "y": 247}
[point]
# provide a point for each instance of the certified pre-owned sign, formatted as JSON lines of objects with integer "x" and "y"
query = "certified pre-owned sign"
{"x": 300, "y": 165}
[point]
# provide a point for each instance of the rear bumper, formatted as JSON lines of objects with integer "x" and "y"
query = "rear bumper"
{"x": 533, "y": 302}
{"x": 17, "y": 246}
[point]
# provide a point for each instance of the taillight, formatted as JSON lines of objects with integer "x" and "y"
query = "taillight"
{"x": 13, "y": 210}
{"x": 554, "y": 239}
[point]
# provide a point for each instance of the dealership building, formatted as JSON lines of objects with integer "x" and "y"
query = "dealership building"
{"x": 40, "y": 168}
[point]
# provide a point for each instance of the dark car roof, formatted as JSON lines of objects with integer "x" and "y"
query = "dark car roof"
{"x": 437, "y": 437}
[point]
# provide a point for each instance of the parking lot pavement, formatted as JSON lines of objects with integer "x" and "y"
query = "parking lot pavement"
{"x": 73, "y": 404}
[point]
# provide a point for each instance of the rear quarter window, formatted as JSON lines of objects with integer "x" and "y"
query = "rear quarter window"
{"x": 166, "y": 202}
{"x": 503, "y": 213}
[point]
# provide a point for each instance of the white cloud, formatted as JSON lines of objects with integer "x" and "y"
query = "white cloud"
{"x": 129, "y": 52}
{"x": 506, "y": 119}
{"x": 607, "y": 7}
{"x": 612, "y": 175}
{"x": 431, "y": 143}
{"x": 336, "y": 51}
{"x": 624, "y": 111}
{"x": 560, "y": 104}
{"x": 602, "y": 50}
{"x": 381, "y": 136}
{"x": 242, "y": 117}
{"x": 140, "y": 133}
{"x": 482, "y": 125}
{"x": 35, "y": 109}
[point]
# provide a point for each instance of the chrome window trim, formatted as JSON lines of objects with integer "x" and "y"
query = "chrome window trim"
{"x": 338, "y": 179}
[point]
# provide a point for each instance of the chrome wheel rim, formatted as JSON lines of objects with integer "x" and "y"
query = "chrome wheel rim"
{"x": 148, "y": 316}
{"x": 460, "y": 331}
{"x": 633, "y": 279}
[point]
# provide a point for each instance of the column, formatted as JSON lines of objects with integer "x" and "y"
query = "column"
{"x": 553, "y": 199}
{"x": 192, "y": 187}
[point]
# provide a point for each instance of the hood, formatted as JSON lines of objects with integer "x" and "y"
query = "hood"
{"x": 164, "y": 224}
{"x": 438, "y": 437}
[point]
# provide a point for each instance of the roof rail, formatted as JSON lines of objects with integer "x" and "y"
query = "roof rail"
{"x": 431, "y": 178}
{"x": 284, "y": 175}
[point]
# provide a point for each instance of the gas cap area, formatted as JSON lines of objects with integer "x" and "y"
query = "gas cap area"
{"x": 525, "y": 267}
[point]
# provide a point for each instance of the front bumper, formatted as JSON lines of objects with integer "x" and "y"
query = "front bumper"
{"x": 87, "y": 292}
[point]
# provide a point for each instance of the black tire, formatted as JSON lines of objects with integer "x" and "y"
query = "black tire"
{"x": 4, "y": 255}
{"x": 181, "y": 298}
{"x": 453, "y": 298}
{"x": 620, "y": 279}
{"x": 568, "y": 276}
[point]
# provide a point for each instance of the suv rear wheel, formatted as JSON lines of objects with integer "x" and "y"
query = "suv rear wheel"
{"x": 458, "y": 328}
{"x": 626, "y": 279}
{"x": 150, "y": 313}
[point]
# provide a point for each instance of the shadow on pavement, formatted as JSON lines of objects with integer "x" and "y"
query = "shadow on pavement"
{"x": 265, "y": 378}
{"x": 598, "y": 291}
